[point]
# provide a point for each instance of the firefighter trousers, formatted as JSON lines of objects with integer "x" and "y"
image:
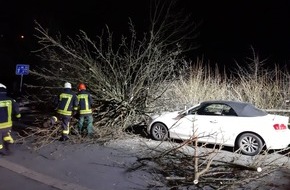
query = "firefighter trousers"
{"x": 5, "y": 139}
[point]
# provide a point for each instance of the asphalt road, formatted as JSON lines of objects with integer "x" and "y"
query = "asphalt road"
{"x": 68, "y": 166}
{"x": 11, "y": 180}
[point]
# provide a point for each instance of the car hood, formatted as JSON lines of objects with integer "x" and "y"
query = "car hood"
{"x": 168, "y": 118}
{"x": 166, "y": 115}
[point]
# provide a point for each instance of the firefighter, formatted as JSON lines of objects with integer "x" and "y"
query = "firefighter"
{"x": 67, "y": 103}
{"x": 85, "y": 109}
{"x": 9, "y": 108}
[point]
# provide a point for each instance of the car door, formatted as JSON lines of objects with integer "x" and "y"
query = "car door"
{"x": 229, "y": 127}
{"x": 208, "y": 123}
{"x": 183, "y": 128}
{"x": 207, "y": 128}
{"x": 202, "y": 123}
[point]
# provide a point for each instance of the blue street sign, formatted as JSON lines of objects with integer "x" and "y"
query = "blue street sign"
{"x": 22, "y": 69}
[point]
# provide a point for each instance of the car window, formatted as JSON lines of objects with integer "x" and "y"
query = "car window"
{"x": 216, "y": 109}
{"x": 228, "y": 111}
{"x": 211, "y": 109}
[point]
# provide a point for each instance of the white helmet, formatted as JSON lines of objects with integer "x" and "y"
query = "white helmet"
{"x": 67, "y": 85}
{"x": 2, "y": 86}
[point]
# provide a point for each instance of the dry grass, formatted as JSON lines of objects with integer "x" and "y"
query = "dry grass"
{"x": 263, "y": 88}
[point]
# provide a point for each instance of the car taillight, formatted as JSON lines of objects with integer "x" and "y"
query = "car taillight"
{"x": 279, "y": 126}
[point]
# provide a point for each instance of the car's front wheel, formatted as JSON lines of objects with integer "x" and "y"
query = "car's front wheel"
{"x": 159, "y": 131}
{"x": 250, "y": 144}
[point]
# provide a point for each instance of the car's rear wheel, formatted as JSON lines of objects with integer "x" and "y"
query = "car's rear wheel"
{"x": 159, "y": 131}
{"x": 250, "y": 144}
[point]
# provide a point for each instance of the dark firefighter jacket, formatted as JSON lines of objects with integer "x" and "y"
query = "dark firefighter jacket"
{"x": 8, "y": 108}
{"x": 67, "y": 102}
{"x": 85, "y": 103}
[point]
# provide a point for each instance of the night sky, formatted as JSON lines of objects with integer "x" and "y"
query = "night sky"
{"x": 228, "y": 31}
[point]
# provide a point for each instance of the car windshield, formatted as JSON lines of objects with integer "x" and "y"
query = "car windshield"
{"x": 194, "y": 109}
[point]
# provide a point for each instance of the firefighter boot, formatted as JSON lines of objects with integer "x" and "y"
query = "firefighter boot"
{"x": 64, "y": 138}
{"x": 6, "y": 149}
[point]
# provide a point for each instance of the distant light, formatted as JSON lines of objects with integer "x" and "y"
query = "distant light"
{"x": 22, "y": 37}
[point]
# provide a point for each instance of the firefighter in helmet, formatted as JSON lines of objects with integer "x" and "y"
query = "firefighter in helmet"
{"x": 85, "y": 109}
{"x": 9, "y": 108}
{"x": 67, "y": 103}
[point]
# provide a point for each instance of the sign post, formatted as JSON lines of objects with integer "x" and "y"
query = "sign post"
{"x": 22, "y": 69}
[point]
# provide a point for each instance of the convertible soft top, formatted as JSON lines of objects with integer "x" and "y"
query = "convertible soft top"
{"x": 243, "y": 109}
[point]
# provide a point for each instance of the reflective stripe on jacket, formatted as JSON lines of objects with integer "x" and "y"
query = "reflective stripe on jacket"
{"x": 8, "y": 108}
{"x": 85, "y": 102}
{"x": 67, "y": 102}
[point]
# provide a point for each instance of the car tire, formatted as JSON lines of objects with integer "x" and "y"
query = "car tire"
{"x": 250, "y": 144}
{"x": 159, "y": 132}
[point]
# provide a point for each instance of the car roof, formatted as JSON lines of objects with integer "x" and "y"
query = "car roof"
{"x": 243, "y": 109}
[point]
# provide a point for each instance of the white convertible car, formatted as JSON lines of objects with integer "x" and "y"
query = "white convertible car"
{"x": 236, "y": 124}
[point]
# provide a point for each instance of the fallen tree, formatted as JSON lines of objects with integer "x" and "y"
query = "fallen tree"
{"x": 125, "y": 76}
